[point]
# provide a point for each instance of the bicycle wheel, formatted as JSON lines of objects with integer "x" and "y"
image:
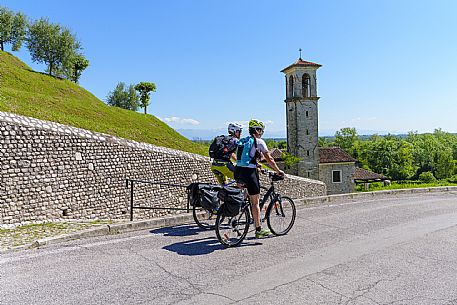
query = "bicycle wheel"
{"x": 231, "y": 231}
{"x": 203, "y": 218}
{"x": 281, "y": 215}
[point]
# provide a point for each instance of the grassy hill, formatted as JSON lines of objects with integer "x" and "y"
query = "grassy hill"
{"x": 29, "y": 93}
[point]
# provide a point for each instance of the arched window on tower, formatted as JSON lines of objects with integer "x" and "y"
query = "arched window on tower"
{"x": 306, "y": 85}
{"x": 291, "y": 86}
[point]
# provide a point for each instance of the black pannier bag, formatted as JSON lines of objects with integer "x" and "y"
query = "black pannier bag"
{"x": 233, "y": 199}
{"x": 208, "y": 199}
{"x": 203, "y": 195}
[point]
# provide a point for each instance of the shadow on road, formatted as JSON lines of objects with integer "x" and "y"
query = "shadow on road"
{"x": 200, "y": 246}
{"x": 195, "y": 247}
{"x": 184, "y": 230}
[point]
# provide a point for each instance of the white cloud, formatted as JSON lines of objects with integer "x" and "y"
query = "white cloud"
{"x": 180, "y": 121}
{"x": 359, "y": 120}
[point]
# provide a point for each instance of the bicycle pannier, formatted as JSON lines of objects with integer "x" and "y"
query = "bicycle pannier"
{"x": 203, "y": 195}
{"x": 208, "y": 199}
{"x": 233, "y": 200}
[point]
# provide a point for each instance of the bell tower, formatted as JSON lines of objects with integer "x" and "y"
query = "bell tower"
{"x": 302, "y": 117}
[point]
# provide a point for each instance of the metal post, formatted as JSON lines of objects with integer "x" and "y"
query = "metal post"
{"x": 188, "y": 207}
{"x": 131, "y": 200}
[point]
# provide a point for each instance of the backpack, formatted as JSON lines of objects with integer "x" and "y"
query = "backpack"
{"x": 243, "y": 152}
{"x": 219, "y": 148}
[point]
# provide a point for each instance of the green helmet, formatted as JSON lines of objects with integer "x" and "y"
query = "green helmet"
{"x": 256, "y": 124}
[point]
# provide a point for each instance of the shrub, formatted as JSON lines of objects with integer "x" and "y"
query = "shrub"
{"x": 452, "y": 179}
{"x": 427, "y": 177}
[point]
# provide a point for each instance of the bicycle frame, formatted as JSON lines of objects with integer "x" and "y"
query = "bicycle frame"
{"x": 269, "y": 196}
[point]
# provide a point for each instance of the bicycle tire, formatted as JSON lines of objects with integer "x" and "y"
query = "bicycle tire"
{"x": 238, "y": 226}
{"x": 281, "y": 215}
{"x": 206, "y": 220}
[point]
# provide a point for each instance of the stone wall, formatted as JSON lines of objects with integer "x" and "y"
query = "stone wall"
{"x": 51, "y": 171}
{"x": 347, "y": 180}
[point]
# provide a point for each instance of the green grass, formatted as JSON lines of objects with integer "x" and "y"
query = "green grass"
{"x": 34, "y": 94}
{"x": 26, "y": 234}
{"x": 377, "y": 186}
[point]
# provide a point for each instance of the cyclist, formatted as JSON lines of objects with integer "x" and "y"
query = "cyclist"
{"x": 223, "y": 154}
{"x": 246, "y": 171}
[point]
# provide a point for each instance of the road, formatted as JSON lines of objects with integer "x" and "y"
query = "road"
{"x": 394, "y": 250}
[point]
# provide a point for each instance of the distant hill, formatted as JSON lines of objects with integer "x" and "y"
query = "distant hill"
{"x": 209, "y": 134}
{"x": 34, "y": 94}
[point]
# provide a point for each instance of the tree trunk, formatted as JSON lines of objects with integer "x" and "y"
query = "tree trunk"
{"x": 145, "y": 110}
{"x": 50, "y": 69}
{"x": 1, "y": 44}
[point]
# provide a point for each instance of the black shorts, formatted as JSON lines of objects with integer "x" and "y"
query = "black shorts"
{"x": 250, "y": 177}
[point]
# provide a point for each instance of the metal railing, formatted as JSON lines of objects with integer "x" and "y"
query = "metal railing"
{"x": 131, "y": 182}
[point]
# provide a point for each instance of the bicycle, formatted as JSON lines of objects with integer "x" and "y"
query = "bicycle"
{"x": 280, "y": 216}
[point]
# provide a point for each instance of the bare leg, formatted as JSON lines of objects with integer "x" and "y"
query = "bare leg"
{"x": 255, "y": 209}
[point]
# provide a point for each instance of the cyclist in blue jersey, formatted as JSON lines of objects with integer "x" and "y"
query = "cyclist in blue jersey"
{"x": 249, "y": 152}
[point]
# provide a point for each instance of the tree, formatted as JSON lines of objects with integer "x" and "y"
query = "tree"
{"x": 390, "y": 156}
{"x": 325, "y": 142}
{"x": 76, "y": 65}
{"x": 347, "y": 138}
{"x": 51, "y": 44}
{"x": 144, "y": 88}
{"x": 434, "y": 152}
{"x": 13, "y": 29}
{"x": 289, "y": 160}
{"x": 272, "y": 143}
{"x": 123, "y": 97}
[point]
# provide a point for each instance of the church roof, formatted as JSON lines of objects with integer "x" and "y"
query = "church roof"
{"x": 361, "y": 174}
{"x": 302, "y": 63}
{"x": 334, "y": 155}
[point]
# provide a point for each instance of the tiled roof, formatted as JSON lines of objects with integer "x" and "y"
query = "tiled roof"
{"x": 276, "y": 153}
{"x": 302, "y": 63}
{"x": 334, "y": 155}
{"x": 363, "y": 174}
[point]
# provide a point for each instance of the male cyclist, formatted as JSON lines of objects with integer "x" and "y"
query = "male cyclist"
{"x": 248, "y": 155}
{"x": 222, "y": 150}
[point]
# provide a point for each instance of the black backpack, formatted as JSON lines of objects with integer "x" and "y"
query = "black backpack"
{"x": 219, "y": 149}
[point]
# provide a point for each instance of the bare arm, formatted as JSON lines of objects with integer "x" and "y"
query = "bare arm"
{"x": 272, "y": 162}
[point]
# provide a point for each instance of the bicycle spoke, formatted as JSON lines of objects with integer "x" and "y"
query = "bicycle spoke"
{"x": 281, "y": 216}
{"x": 231, "y": 230}
{"x": 205, "y": 219}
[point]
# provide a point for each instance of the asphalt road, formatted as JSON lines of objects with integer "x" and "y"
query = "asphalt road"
{"x": 394, "y": 250}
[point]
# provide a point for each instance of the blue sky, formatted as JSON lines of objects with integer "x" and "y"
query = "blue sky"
{"x": 387, "y": 66}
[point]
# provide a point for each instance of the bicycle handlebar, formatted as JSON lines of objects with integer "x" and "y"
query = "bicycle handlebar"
{"x": 272, "y": 175}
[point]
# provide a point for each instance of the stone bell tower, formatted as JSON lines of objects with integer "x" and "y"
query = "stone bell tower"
{"x": 302, "y": 117}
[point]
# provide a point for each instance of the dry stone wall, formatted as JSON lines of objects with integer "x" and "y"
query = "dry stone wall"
{"x": 51, "y": 171}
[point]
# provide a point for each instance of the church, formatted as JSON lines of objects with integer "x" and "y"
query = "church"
{"x": 332, "y": 165}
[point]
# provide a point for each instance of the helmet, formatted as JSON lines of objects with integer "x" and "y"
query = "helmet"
{"x": 255, "y": 125}
{"x": 234, "y": 127}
